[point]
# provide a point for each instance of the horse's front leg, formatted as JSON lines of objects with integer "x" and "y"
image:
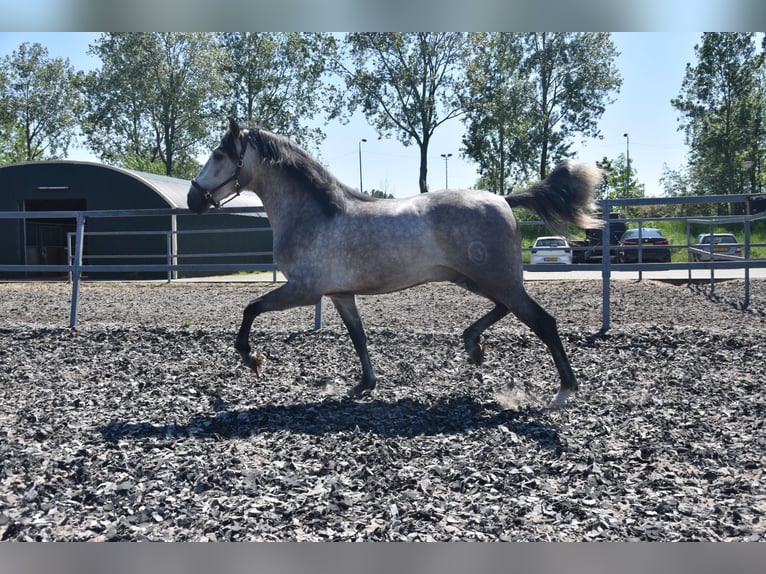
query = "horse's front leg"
{"x": 346, "y": 306}
{"x": 285, "y": 297}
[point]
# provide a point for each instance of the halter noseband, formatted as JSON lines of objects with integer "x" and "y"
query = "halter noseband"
{"x": 208, "y": 195}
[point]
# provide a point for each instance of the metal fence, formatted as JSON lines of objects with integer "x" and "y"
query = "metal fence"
{"x": 170, "y": 256}
{"x": 170, "y": 265}
{"x": 76, "y": 267}
{"x": 744, "y": 263}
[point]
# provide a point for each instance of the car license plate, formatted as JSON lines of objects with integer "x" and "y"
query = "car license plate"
{"x": 720, "y": 249}
{"x": 554, "y": 259}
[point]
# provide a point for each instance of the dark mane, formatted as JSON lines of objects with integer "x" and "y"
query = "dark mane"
{"x": 279, "y": 151}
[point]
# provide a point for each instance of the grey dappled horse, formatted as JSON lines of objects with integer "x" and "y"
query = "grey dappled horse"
{"x": 332, "y": 240}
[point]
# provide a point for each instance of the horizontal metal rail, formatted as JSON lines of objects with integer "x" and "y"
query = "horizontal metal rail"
{"x": 77, "y": 266}
{"x": 714, "y": 255}
{"x": 159, "y": 212}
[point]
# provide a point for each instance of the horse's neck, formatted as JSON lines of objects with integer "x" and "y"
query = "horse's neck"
{"x": 287, "y": 207}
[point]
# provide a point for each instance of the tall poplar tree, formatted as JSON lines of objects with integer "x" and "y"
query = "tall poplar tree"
{"x": 497, "y": 118}
{"x": 574, "y": 76}
{"x": 722, "y": 108}
{"x": 407, "y": 84}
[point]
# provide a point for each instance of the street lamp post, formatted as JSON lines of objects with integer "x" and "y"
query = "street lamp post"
{"x": 627, "y": 171}
{"x": 361, "y": 187}
{"x": 446, "y": 157}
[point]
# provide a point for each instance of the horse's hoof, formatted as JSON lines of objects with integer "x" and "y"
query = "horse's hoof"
{"x": 560, "y": 400}
{"x": 256, "y": 363}
{"x": 476, "y": 355}
{"x": 362, "y": 390}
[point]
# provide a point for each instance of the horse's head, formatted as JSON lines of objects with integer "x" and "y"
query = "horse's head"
{"x": 220, "y": 176}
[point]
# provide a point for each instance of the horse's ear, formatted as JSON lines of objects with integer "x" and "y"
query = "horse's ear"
{"x": 233, "y": 126}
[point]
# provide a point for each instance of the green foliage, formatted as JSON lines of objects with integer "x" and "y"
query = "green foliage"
{"x": 529, "y": 96}
{"x": 154, "y": 101}
{"x": 407, "y": 85}
{"x": 618, "y": 181}
{"x": 278, "y": 80}
{"x": 722, "y": 105}
{"x": 497, "y": 119}
{"x": 379, "y": 194}
{"x": 39, "y": 99}
{"x": 573, "y": 75}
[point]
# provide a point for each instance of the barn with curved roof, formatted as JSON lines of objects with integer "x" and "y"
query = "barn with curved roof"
{"x": 52, "y": 186}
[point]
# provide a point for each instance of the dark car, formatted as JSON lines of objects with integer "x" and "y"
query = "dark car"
{"x": 591, "y": 249}
{"x": 654, "y": 246}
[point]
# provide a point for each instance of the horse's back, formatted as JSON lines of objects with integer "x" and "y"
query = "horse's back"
{"x": 445, "y": 235}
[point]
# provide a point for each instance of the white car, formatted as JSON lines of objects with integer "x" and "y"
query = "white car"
{"x": 551, "y": 249}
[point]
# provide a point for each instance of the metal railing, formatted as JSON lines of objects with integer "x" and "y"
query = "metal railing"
{"x": 76, "y": 267}
{"x": 171, "y": 256}
{"x": 746, "y": 263}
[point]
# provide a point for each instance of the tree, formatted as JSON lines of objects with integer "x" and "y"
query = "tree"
{"x": 276, "y": 80}
{"x": 38, "y": 105}
{"x": 619, "y": 183}
{"x": 573, "y": 76}
{"x": 722, "y": 112}
{"x": 678, "y": 183}
{"x": 155, "y": 103}
{"x": 497, "y": 111}
{"x": 407, "y": 84}
{"x": 378, "y": 193}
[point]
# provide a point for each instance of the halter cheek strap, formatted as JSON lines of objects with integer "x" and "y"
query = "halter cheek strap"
{"x": 209, "y": 194}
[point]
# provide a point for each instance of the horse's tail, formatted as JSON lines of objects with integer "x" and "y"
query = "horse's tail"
{"x": 563, "y": 198}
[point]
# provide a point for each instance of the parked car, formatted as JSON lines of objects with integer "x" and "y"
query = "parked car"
{"x": 590, "y": 250}
{"x": 654, "y": 246}
{"x": 551, "y": 249}
{"x": 723, "y": 244}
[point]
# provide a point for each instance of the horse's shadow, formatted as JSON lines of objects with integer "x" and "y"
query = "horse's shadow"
{"x": 404, "y": 418}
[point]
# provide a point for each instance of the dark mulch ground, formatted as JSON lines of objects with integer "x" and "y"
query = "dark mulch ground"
{"x": 141, "y": 424}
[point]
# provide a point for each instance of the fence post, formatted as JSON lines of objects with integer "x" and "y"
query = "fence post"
{"x": 318, "y": 315}
{"x": 712, "y": 259}
{"x": 640, "y": 257}
{"x": 69, "y": 256}
{"x": 76, "y": 268}
{"x": 606, "y": 265}
{"x": 747, "y": 262}
{"x": 169, "y": 254}
{"x": 173, "y": 246}
{"x": 689, "y": 257}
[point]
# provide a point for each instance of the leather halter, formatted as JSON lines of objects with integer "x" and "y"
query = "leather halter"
{"x": 208, "y": 194}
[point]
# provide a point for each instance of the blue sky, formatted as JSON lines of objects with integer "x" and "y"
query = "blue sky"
{"x": 652, "y": 66}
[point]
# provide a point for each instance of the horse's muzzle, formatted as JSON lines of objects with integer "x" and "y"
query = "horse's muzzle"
{"x": 196, "y": 201}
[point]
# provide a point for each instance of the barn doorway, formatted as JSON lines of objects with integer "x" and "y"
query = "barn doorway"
{"x": 45, "y": 239}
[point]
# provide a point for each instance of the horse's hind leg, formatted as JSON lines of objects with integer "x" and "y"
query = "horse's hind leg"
{"x": 285, "y": 297}
{"x": 472, "y": 335}
{"x": 544, "y": 326}
{"x": 346, "y": 306}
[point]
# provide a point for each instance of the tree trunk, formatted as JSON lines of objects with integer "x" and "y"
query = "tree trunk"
{"x": 501, "y": 186}
{"x": 423, "y": 178}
